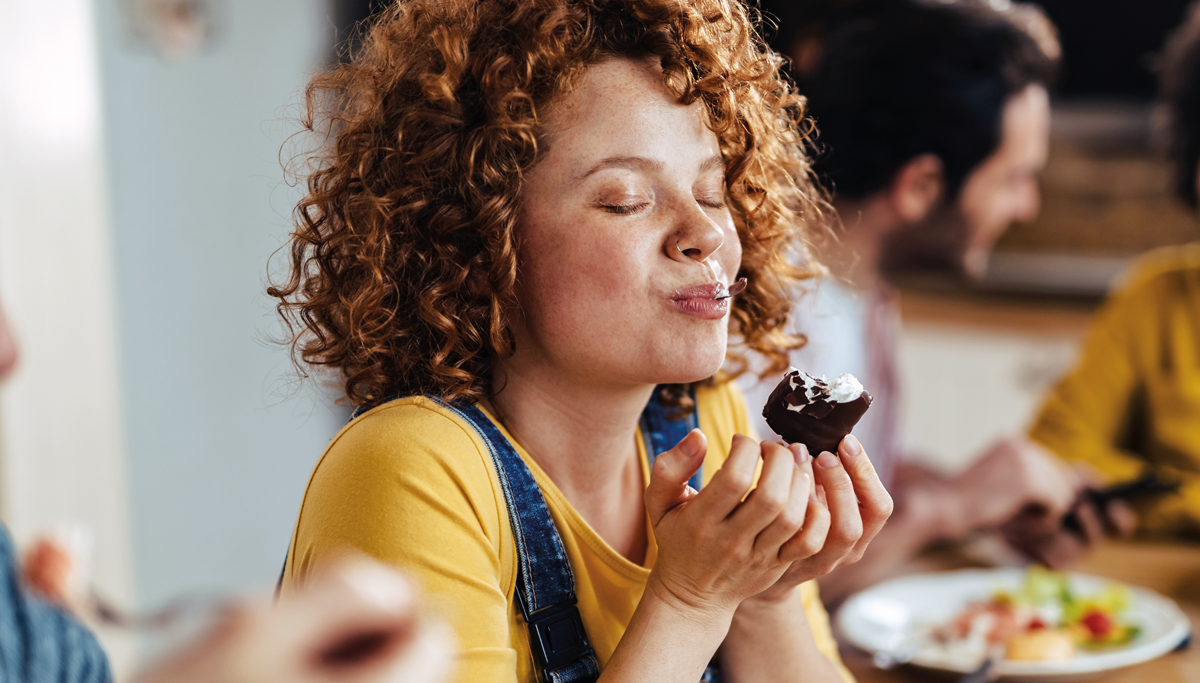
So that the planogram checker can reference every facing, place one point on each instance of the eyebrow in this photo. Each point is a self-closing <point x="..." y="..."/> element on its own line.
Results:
<point x="644" y="163"/>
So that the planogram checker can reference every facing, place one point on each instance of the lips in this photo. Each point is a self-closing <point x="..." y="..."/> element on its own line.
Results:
<point x="701" y="301"/>
<point x="708" y="290"/>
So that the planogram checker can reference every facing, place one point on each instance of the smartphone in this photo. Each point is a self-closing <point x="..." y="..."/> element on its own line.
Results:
<point x="1149" y="486"/>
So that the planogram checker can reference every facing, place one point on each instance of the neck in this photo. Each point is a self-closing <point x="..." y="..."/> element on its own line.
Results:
<point x="857" y="254"/>
<point x="582" y="435"/>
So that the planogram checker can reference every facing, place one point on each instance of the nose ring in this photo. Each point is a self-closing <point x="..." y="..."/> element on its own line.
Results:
<point x="682" y="252"/>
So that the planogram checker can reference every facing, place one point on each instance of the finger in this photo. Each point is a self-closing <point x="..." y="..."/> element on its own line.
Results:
<point x="1089" y="521"/>
<point x="356" y="615"/>
<point x="770" y="496"/>
<point x="800" y="453"/>
<point x="1060" y="487"/>
<point x="811" y="539"/>
<point x="670" y="474"/>
<point x="728" y="487"/>
<point x="791" y="519"/>
<point x="402" y="645"/>
<point x="846" y="525"/>
<point x="1121" y="518"/>
<point x="873" y="499"/>
<point x="1060" y="550"/>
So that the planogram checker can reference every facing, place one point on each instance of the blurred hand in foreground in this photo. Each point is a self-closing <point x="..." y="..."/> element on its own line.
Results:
<point x="356" y="623"/>
<point x="55" y="567"/>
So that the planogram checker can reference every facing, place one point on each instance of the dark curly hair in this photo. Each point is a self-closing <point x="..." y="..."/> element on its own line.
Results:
<point x="403" y="263"/>
<point x="895" y="79"/>
<point x="1180" y="77"/>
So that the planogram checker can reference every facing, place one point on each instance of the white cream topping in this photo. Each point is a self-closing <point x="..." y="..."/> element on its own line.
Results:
<point x="844" y="389"/>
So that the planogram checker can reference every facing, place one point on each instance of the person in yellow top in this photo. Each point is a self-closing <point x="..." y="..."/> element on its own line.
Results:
<point x="529" y="216"/>
<point x="1132" y="403"/>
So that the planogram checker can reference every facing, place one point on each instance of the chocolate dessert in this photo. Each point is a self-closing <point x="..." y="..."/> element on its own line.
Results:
<point x="815" y="411"/>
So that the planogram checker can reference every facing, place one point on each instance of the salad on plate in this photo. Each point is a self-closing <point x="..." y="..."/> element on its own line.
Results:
<point x="1044" y="619"/>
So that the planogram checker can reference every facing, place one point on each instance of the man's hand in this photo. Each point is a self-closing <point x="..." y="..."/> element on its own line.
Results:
<point x="1044" y="539"/>
<point x="1015" y="476"/>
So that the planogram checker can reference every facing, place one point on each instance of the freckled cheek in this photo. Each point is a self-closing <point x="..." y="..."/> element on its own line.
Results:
<point x="592" y="279"/>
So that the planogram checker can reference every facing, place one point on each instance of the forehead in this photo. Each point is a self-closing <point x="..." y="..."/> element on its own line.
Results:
<point x="622" y="107"/>
<point x="1025" y="127"/>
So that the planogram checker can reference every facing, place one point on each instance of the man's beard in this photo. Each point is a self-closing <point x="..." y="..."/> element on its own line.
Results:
<point x="940" y="244"/>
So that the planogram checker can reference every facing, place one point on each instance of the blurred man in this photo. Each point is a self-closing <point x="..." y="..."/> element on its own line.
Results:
<point x="933" y="123"/>
<point x="1132" y="403"/>
<point x="357" y="623"/>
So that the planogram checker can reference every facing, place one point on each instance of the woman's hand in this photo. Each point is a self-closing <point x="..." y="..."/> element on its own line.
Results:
<point x="855" y="505"/>
<point x="720" y="546"/>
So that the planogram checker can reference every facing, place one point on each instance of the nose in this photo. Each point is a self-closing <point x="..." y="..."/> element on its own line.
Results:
<point x="696" y="236"/>
<point x="1029" y="202"/>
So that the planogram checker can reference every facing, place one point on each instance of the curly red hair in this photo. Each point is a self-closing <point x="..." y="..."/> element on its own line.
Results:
<point x="403" y="262"/>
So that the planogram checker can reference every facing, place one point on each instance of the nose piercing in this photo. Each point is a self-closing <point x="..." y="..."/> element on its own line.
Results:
<point x="684" y="253"/>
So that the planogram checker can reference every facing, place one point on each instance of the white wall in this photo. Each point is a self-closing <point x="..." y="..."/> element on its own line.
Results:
<point x="218" y="454"/>
<point x="61" y="446"/>
<point x="965" y="386"/>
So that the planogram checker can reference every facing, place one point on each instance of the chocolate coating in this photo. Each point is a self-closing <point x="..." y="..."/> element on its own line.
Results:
<point x="820" y="424"/>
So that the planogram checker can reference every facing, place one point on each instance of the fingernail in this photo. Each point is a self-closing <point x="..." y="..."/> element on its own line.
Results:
<point x="800" y="452"/>
<point x="826" y="459"/>
<point x="851" y="445"/>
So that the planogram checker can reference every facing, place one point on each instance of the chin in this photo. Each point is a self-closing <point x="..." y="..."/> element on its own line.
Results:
<point x="975" y="262"/>
<point x="702" y="363"/>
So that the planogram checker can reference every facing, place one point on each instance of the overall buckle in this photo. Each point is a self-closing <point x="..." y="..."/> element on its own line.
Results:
<point x="556" y="635"/>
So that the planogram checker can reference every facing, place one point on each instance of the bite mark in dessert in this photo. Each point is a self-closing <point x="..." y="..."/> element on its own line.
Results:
<point x="815" y="411"/>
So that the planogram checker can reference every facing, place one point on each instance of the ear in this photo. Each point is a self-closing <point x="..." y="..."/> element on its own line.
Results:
<point x="917" y="188"/>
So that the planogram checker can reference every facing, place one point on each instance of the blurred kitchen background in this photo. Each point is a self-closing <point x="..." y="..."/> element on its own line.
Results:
<point x="142" y="192"/>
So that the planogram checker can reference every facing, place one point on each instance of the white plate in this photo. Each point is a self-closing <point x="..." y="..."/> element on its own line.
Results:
<point x="885" y="617"/>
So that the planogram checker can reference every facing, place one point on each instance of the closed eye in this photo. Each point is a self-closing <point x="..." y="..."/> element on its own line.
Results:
<point x="624" y="209"/>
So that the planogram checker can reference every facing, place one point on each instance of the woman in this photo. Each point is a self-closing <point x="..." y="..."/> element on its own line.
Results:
<point x="1131" y="404"/>
<point x="526" y="220"/>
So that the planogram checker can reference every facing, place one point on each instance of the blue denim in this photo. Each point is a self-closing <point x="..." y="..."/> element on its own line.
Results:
<point x="661" y="434"/>
<point x="38" y="642"/>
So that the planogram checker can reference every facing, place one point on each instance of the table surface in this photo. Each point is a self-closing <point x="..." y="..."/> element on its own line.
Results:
<point x="1173" y="570"/>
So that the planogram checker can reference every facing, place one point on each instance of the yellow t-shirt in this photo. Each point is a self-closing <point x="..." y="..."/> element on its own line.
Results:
<point x="1133" y="400"/>
<point x="411" y="484"/>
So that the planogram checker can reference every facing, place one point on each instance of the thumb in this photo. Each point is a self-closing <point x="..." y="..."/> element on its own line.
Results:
<point x="669" y="476"/>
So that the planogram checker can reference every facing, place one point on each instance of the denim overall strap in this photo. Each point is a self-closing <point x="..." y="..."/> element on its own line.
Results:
<point x="545" y="584"/>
